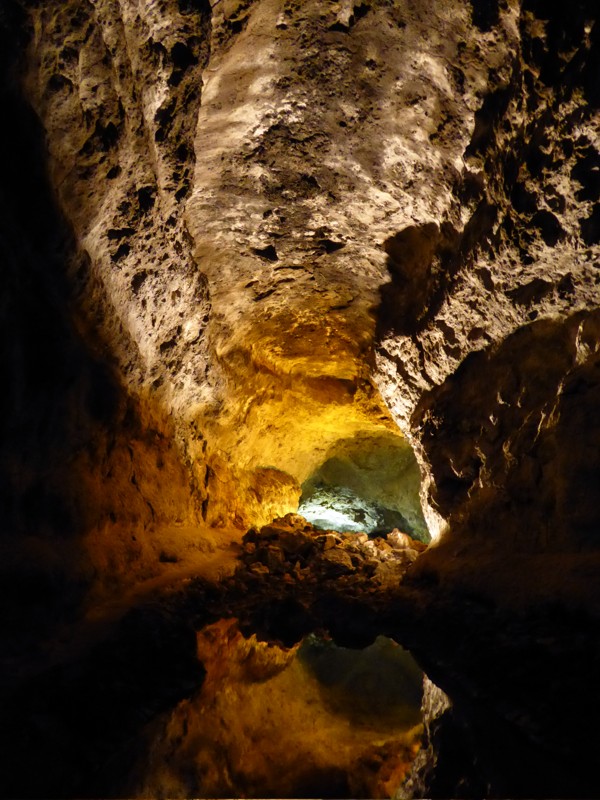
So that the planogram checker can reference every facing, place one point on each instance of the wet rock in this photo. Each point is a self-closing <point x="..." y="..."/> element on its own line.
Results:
<point x="295" y="542"/>
<point x="259" y="569"/>
<point x="293" y="546"/>
<point x="390" y="572"/>
<point x="275" y="559"/>
<point x="399" y="540"/>
<point x="382" y="545"/>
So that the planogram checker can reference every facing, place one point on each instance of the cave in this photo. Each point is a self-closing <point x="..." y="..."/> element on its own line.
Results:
<point x="368" y="484"/>
<point x="299" y="450"/>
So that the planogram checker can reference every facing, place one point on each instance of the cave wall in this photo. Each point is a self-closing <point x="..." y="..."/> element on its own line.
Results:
<point x="501" y="358"/>
<point x="85" y="465"/>
<point x="471" y="163"/>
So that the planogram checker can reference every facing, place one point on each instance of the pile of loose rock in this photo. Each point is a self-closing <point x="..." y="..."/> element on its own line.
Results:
<point x="293" y="550"/>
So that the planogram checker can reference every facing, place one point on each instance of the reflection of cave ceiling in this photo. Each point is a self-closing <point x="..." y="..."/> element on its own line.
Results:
<point x="298" y="709"/>
<point x="241" y="240"/>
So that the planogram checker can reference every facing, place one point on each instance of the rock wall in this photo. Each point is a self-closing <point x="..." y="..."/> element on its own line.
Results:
<point x="240" y="174"/>
<point x="89" y="470"/>
<point x="496" y="358"/>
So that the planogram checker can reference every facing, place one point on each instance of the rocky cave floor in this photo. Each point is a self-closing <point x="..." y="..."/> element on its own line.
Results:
<point x="149" y="703"/>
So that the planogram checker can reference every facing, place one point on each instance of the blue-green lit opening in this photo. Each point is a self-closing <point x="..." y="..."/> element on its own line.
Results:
<point x="368" y="483"/>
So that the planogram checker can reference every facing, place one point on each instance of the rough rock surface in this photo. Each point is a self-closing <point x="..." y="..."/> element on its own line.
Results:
<point x="370" y="484"/>
<point x="235" y="238"/>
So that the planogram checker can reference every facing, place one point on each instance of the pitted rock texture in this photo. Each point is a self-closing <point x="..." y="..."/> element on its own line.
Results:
<point x="118" y="89"/>
<point x="524" y="263"/>
<point x="527" y="191"/>
<point x="253" y="159"/>
<point x="88" y="470"/>
<point x="324" y="130"/>
<point x="268" y="197"/>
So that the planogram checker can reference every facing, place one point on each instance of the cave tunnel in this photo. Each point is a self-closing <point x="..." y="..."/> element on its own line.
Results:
<point x="337" y="708"/>
<point x="300" y="348"/>
<point x="368" y="484"/>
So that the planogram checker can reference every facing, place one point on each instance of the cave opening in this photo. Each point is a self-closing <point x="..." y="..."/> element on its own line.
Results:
<point x="368" y="483"/>
<point x="335" y="705"/>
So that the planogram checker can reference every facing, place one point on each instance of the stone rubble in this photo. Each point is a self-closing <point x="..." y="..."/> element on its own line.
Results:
<point x="292" y="548"/>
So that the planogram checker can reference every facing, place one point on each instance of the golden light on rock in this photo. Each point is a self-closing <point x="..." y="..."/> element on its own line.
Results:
<point x="278" y="428"/>
<point x="262" y="705"/>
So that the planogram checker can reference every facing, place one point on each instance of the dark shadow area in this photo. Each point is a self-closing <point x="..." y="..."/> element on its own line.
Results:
<point x="566" y="32"/>
<point x="538" y="367"/>
<point x="381" y="683"/>
<point x="485" y="13"/>
<point x="72" y="730"/>
<point x="58" y="403"/>
<point x="423" y="263"/>
<point x="417" y="260"/>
